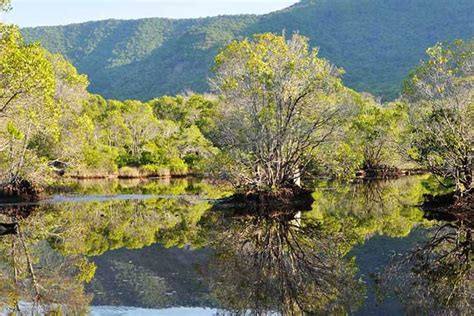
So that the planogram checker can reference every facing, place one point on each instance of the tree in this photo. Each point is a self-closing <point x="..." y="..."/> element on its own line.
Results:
<point x="24" y="69"/>
<point x="143" y="125"/>
<point x="368" y="141"/>
<point x="280" y="101"/>
<point x="27" y="107"/>
<point x="69" y="96"/>
<point x="377" y="128"/>
<point x="194" y="116"/>
<point x="440" y="94"/>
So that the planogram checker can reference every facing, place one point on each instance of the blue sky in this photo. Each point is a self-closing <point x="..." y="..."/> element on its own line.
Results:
<point x="53" y="12"/>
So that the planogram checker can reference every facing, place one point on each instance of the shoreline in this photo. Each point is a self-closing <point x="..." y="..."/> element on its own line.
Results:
<point x="128" y="176"/>
<point x="387" y="173"/>
<point x="34" y="194"/>
<point x="41" y="194"/>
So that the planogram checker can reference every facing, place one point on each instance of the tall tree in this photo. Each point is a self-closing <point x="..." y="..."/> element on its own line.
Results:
<point x="27" y="106"/>
<point x="279" y="102"/>
<point x="440" y="92"/>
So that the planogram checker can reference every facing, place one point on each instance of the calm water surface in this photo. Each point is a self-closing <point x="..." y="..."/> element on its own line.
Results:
<point x="165" y="248"/>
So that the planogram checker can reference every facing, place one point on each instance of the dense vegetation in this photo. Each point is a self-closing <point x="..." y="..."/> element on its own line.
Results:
<point x="441" y="92"/>
<point x="280" y="117"/>
<point x="50" y="122"/>
<point x="282" y="113"/>
<point x="375" y="41"/>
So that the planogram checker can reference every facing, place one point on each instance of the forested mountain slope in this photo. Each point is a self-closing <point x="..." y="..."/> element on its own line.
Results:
<point x="375" y="41"/>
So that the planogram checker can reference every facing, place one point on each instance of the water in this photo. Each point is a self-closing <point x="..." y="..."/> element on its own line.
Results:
<point x="165" y="248"/>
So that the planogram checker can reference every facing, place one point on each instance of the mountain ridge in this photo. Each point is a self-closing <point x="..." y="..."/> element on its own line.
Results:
<point x="375" y="41"/>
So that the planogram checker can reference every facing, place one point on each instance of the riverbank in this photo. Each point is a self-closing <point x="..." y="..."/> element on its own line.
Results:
<point x="129" y="173"/>
<point x="26" y="192"/>
<point x="62" y="185"/>
<point x="388" y="173"/>
<point x="21" y="191"/>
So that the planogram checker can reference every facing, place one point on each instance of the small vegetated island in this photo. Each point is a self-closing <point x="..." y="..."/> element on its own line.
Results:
<point x="277" y="116"/>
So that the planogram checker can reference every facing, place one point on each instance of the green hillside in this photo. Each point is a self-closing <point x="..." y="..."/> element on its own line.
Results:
<point x="375" y="41"/>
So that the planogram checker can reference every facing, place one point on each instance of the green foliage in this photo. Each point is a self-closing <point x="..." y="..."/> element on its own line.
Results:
<point x="280" y="101"/>
<point x="27" y="107"/>
<point x="440" y="94"/>
<point x="189" y="110"/>
<point x="370" y="139"/>
<point x="155" y="138"/>
<point x="377" y="42"/>
<point x="47" y="115"/>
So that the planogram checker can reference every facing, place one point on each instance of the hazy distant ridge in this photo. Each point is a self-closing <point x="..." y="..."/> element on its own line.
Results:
<point x="376" y="41"/>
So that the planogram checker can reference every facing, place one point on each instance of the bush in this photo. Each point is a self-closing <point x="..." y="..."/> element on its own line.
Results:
<point x="178" y="166"/>
<point x="155" y="171"/>
<point x="129" y="173"/>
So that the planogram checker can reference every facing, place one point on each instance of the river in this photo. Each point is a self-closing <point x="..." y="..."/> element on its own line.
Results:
<point x="167" y="248"/>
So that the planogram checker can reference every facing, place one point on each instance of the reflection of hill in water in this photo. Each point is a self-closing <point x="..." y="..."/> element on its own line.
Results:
<point x="152" y="277"/>
<point x="161" y="252"/>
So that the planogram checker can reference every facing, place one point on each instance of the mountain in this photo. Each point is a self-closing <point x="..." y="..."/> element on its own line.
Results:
<point x="377" y="42"/>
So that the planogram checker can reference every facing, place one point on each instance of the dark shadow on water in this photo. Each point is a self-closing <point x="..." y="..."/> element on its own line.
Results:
<point x="290" y="200"/>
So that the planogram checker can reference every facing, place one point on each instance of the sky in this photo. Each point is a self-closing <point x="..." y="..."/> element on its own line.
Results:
<point x="58" y="12"/>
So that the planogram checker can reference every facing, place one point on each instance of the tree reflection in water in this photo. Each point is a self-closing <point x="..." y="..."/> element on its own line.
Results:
<point x="34" y="278"/>
<point x="438" y="272"/>
<point x="278" y="262"/>
<point x="288" y="261"/>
